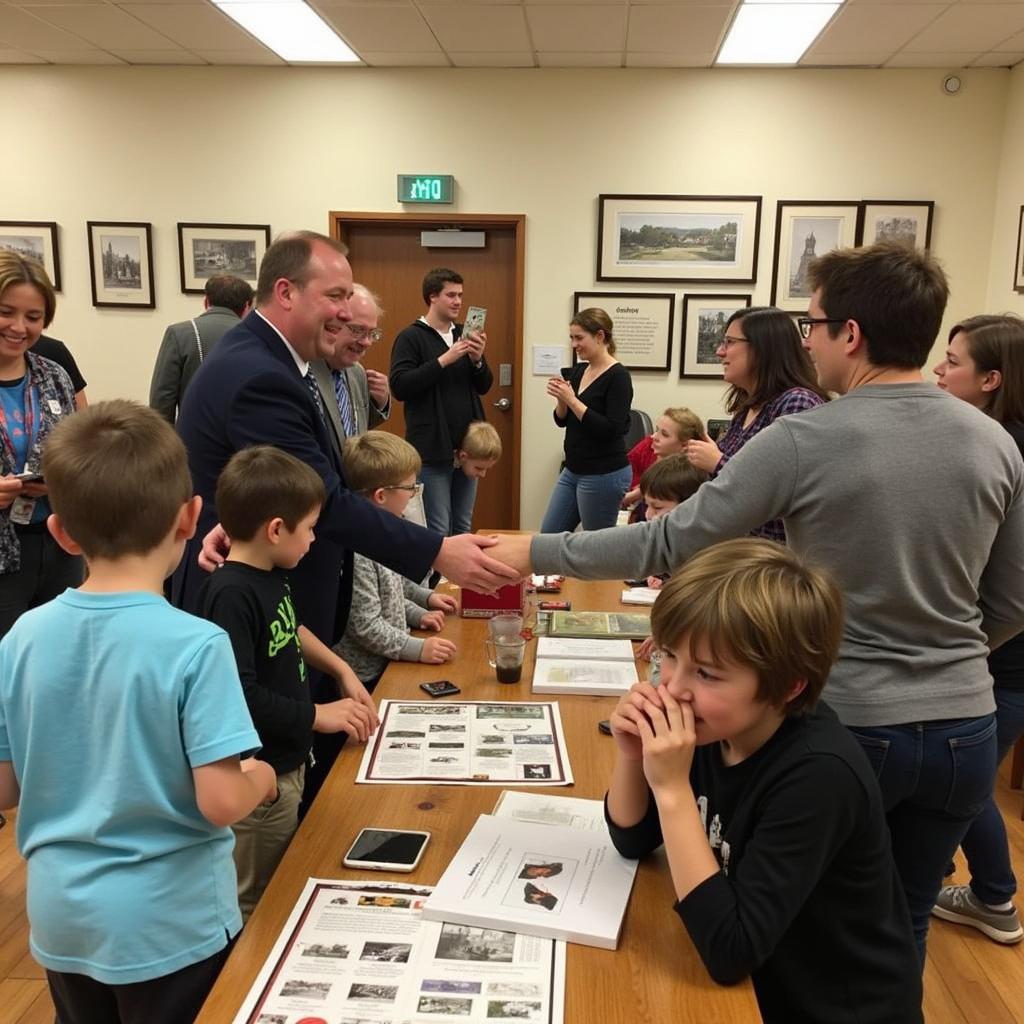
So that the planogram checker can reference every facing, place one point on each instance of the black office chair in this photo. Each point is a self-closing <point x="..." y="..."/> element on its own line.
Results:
<point x="640" y="426"/>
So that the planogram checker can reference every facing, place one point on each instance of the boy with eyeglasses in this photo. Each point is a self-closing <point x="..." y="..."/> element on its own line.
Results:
<point x="383" y="468"/>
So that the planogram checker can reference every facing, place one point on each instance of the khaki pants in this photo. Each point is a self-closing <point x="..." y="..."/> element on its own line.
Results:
<point x="262" y="838"/>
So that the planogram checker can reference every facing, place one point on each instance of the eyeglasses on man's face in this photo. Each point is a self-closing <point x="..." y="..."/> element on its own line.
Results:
<point x="360" y="331"/>
<point x="411" y="488"/>
<point x="806" y="323"/>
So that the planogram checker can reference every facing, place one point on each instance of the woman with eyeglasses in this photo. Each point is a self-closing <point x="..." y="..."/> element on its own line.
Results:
<point x="35" y="394"/>
<point x="769" y="375"/>
<point x="984" y="366"/>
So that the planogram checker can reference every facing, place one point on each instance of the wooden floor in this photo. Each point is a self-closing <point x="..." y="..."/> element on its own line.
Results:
<point x="969" y="979"/>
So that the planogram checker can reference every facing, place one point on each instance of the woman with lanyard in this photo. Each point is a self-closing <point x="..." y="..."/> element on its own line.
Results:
<point x="35" y="394"/>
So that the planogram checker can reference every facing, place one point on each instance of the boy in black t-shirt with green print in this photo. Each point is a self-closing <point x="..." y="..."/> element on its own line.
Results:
<point x="268" y="502"/>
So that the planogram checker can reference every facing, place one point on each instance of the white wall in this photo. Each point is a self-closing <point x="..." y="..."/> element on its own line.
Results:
<point x="285" y="146"/>
<point x="1009" y="199"/>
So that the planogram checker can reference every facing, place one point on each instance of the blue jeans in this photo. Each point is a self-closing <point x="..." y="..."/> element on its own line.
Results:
<point x="935" y="777"/>
<point x="448" y="498"/>
<point x="985" y="846"/>
<point x="591" y="499"/>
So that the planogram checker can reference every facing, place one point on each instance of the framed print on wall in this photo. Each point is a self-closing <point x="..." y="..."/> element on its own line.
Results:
<point x="908" y="221"/>
<point x="803" y="231"/>
<point x="208" y="249"/>
<point x="642" y="326"/>
<point x="704" y="318"/>
<point x="1018" y="273"/>
<point x="121" y="264"/>
<point x="34" y="238"/>
<point x="695" y="239"/>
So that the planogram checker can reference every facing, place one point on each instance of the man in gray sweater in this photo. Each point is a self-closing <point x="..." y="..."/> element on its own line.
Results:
<point x="914" y="502"/>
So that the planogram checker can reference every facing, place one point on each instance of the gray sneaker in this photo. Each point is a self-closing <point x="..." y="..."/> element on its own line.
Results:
<point x="958" y="903"/>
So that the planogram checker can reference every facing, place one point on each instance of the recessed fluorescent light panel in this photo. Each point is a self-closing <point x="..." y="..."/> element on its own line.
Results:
<point x="774" y="33"/>
<point x="292" y="29"/>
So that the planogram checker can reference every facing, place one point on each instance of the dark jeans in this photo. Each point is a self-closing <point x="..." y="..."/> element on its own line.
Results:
<point x="935" y="777"/>
<point x="173" y="999"/>
<point x="985" y="846"/>
<point x="592" y="500"/>
<point x="46" y="571"/>
<point x="448" y="498"/>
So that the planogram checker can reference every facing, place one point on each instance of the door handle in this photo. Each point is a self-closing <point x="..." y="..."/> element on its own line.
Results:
<point x="504" y="404"/>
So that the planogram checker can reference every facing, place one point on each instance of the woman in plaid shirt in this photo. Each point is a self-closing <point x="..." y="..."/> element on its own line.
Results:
<point x="770" y="375"/>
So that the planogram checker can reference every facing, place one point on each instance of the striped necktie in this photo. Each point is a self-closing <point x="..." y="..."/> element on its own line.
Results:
<point x="314" y="392"/>
<point x="348" y="418"/>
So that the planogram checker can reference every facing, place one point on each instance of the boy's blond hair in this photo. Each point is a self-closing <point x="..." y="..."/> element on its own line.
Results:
<point x="378" y="459"/>
<point x="118" y="476"/>
<point x="689" y="426"/>
<point x="481" y="441"/>
<point x="672" y="478"/>
<point x="755" y="603"/>
<point x="263" y="483"/>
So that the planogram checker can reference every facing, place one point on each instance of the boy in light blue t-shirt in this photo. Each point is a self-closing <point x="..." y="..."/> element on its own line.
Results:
<point x="122" y="722"/>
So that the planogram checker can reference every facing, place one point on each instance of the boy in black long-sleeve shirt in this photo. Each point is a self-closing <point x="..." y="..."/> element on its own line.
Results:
<point x="767" y="807"/>
<point x="268" y="502"/>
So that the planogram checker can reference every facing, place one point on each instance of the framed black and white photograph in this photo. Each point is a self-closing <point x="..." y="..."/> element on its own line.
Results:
<point x="641" y="326"/>
<point x="907" y="221"/>
<point x="1018" y="272"/>
<point x="121" y="264"/>
<point x="704" y="320"/>
<point x="803" y="231"/>
<point x="208" y="249"/>
<point x="36" y="239"/>
<point x="705" y="239"/>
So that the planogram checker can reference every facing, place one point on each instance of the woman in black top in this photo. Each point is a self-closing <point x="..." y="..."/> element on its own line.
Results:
<point x="592" y="403"/>
<point x="984" y="366"/>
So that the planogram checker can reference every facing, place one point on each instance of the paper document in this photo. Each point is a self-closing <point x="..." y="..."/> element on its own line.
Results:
<point x="361" y="952"/>
<point x="589" y="678"/>
<point x="548" y="809"/>
<point x="640" y="595"/>
<point x="589" y="650"/>
<point x="467" y="743"/>
<point x="551" y="881"/>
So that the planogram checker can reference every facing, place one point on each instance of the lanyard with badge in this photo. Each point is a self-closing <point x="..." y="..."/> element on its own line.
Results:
<point x="22" y="507"/>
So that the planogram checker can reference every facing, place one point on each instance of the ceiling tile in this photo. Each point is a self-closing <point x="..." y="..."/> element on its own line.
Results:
<point x="1014" y="43"/>
<point x="394" y="29"/>
<point x="485" y="28"/>
<point x="78" y="57"/>
<point x="256" y="55"/>
<point x="593" y="59"/>
<point x="479" y="59"/>
<point x="669" y="60"/>
<point x="192" y="25"/>
<point x="998" y="59"/>
<point x="107" y="27"/>
<point x="857" y="29"/>
<point x="18" y="57"/>
<point x="970" y="27"/>
<point x="20" y="30"/>
<point x="391" y="59"/>
<point x="878" y="3"/>
<point x="564" y="27"/>
<point x="686" y="29"/>
<point x="159" y="57"/>
<point x="946" y="59"/>
<point x="857" y="59"/>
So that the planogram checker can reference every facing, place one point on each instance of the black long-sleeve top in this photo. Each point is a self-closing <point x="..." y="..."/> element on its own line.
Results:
<point x="254" y="607"/>
<point x="807" y="901"/>
<point x="440" y="401"/>
<point x="596" y="444"/>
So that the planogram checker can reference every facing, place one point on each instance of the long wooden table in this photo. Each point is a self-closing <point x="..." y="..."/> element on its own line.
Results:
<point x="655" y="975"/>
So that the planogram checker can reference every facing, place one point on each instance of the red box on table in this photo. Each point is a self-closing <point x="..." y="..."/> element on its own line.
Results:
<point x="508" y="599"/>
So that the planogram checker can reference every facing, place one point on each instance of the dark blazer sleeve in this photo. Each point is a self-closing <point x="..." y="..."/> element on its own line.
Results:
<point x="166" y="384"/>
<point x="272" y="409"/>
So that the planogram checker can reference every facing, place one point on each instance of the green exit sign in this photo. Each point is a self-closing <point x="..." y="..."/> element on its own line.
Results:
<point x="426" y="188"/>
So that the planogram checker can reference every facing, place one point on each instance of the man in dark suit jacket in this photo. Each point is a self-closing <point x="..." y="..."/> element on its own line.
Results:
<point x="366" y="400"/>
<point x="185" y="345"/>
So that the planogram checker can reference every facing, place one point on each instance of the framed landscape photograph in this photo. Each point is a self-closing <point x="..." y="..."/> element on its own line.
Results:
<point x="35" y="238"/>
<point x="908" y="221"/>
<point x="1018" y="273"/>
<point x="704" y="319"/>
<point x="121" y="264"/>
<point x="208" y="249"/>
<point x="803" y="231"/>
<point x="696" y="239"/>
<point x="642" y="326"/>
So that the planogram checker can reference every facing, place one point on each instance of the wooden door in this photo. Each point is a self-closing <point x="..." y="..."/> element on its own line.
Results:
<point x="388" y="258"/>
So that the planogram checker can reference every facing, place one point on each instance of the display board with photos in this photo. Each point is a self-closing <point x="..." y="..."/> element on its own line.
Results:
<point x="35" y="239"/>
<point x="641" y="325"/>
